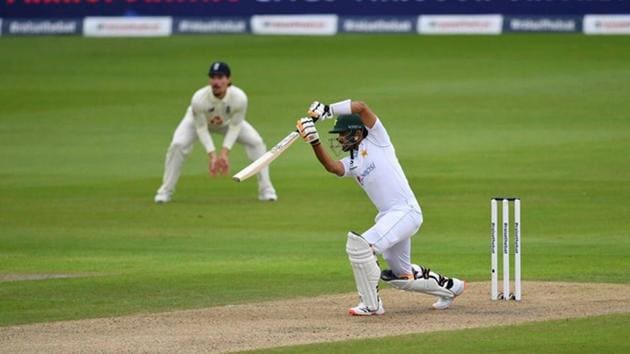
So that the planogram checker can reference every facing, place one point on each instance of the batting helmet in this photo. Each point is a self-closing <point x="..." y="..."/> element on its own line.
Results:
<point x="347" y="125"/>
<point x="347" y="122"/>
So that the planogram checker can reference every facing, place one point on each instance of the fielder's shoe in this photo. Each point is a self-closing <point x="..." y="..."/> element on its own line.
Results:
<point x="161" y="198"/>
<point x="362" y="310"/>
<point x="445" y="302"/>
<point x="268" y="195"/>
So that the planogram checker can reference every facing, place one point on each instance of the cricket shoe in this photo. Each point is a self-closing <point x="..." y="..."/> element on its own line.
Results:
<point x="162" y="198"/>
<point x="444" y="302"/>
<point x="267" y="195"/>
<point x="362" y="310"/>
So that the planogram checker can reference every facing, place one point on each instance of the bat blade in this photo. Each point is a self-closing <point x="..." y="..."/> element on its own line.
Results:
<point x="267" y="158"/>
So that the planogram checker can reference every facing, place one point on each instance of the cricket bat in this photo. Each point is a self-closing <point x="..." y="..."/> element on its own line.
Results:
<point x="267" y="158"/>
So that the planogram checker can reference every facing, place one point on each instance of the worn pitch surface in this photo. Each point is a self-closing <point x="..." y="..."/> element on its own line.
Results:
<point x="312" y="320"/>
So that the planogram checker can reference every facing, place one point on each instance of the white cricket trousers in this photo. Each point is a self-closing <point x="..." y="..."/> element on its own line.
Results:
<point x="182" y="144"/>
<point x="391" y="237"/>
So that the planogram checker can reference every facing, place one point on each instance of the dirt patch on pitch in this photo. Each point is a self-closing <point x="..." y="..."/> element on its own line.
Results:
<point x="312" y="320"/>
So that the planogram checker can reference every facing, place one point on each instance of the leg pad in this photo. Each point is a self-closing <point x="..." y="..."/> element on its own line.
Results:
<point x="365" y="268"/>
<point x="425" y="281"/>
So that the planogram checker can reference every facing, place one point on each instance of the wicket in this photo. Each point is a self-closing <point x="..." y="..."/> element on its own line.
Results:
<point x="505" y="219"/>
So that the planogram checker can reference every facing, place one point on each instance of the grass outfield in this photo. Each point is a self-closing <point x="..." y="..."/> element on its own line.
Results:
<point x="600" y="334"/>
<point x="85" y="123"/>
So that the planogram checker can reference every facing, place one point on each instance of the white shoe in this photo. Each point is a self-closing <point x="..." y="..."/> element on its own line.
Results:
<point x="161" y="198"/>
<point x="445" y="302"/>
<point x="362" y="310"/>
<point x="268" y="195"/>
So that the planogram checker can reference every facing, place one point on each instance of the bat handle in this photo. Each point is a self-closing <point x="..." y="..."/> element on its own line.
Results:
<point x="314" y="121"/>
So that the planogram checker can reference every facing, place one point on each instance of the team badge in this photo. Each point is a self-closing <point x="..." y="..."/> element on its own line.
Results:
<point x="364" y="153"/>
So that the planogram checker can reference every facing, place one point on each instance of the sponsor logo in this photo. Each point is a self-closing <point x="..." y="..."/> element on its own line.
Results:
<point x="542" y="24"/>
<point x="377" y="25"/>
<point x="27" y="27"/>
<point x="216" y="120"/>
<point x="465" y="24"/>
<point x="211" y="26"/>
<point x="124" y="27"/>
<point x="607" y="24"/>
<point x="294" y="24"/>
<point x="360" y="178"/>
<point x="127" y="26"/>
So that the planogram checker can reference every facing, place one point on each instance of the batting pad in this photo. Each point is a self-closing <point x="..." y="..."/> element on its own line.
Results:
<point x="365" y="269"/>
<point x="427" y="285"/>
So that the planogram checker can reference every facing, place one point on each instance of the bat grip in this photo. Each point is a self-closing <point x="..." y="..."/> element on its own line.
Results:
<point x="314" y="121"/>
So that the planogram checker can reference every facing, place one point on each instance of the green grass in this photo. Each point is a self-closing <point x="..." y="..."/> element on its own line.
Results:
<point x="602" y="334"/>
<point x="85" y="123"/>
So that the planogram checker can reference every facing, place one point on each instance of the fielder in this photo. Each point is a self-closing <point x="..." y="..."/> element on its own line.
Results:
<point x="220" y="108"/>
<point x="375" y="167"/>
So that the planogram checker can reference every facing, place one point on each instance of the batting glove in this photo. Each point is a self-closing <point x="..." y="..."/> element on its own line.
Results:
<point x="320" y="111"/>
<point x="306" y="128"/>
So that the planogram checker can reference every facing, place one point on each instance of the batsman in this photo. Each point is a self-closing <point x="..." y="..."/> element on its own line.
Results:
<point x="373" y="164"/>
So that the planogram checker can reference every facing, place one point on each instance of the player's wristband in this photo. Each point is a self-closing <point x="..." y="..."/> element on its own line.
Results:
<point x="342" y="107"/>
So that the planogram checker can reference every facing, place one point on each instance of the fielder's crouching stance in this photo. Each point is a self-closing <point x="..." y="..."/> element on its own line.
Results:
<point x="375" y="167"/>
<point x="219" y="107"/>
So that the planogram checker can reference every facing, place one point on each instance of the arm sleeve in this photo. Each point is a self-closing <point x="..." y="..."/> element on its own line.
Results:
<point x="341" y="107"/>
<point x="378" y="134"/>
<point x="346" y="166"/>
<point x="238" y="116"/>
<point x="201" y="127"/>
<point x="234" y="129"/>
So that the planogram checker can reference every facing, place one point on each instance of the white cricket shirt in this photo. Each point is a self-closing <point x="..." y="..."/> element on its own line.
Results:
<point x="376" y="169"/>
<point x="213" y="114"/>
